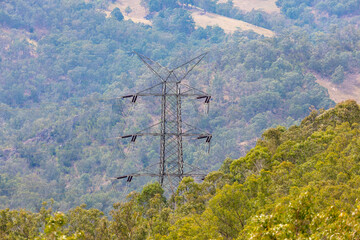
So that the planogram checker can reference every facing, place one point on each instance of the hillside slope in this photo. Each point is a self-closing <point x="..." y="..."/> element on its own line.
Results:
<point x="229" y="25"/>
<point x="137" y="13"/>
<point x="62" y="63"/>
<point x="348" y="89"/>
<point x="297" y="183"/>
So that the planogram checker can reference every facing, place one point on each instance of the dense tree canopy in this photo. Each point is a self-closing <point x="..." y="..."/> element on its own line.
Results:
<point x="63" y="62"/>
<point x="300" y="182"/>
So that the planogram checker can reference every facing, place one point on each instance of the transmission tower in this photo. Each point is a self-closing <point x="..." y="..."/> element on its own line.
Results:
<point x="171" y="129"/>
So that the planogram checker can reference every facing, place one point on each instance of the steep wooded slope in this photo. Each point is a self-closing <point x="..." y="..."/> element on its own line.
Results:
<point x="296" y="183"/>
<point x="61" y="62"/>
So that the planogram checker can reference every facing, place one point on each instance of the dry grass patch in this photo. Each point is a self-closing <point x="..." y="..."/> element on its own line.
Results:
<point x="137" y="14"/>
<point x="349" y="89"/>
<point x="229" y="25"/>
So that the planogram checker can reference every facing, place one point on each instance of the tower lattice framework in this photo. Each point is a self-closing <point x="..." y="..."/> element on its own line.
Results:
<point x="171" y="89"/>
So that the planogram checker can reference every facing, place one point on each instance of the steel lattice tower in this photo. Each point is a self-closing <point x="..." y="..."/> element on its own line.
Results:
<point x="171" y="89"/>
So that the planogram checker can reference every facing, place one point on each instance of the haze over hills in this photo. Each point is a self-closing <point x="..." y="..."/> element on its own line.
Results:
<point x="63" y="62"/>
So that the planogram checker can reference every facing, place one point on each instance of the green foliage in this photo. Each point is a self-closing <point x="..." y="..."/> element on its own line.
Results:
<point x="309" y="177"/>
<point x="293" y="9"/>
<point x="158" y="5"/>
<point x="128" y="10"/>
<point x="208" y="5"/>
<point x="339" y="8"/>
<point x="338" y="75"/>
<point x="297" y="183"/>
<point x="53" y="229"/>
<point x="189" y="197"/>
<point x="90" y="223"/>
<point x="18" y="224"/>
<point x="62" y="60"/>
<point x="301" y="9"/>
<point x="148" y="192"/>
<point x="127" y="220"/>
<point x="116" y="13"/>
<point x="176" y="20"/>
<point x="257" y="159"/>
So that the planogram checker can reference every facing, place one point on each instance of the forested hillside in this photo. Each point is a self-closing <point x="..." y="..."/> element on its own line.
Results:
<point x="296" y="183"/>
<point x="62" y="62"/>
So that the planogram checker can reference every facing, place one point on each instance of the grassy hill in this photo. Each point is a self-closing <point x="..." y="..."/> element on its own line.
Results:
<point x="229" y="25"/>
<point x="202" y="19"/>
<point x="137" y="13"/>
<point x="348" y="89"/>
